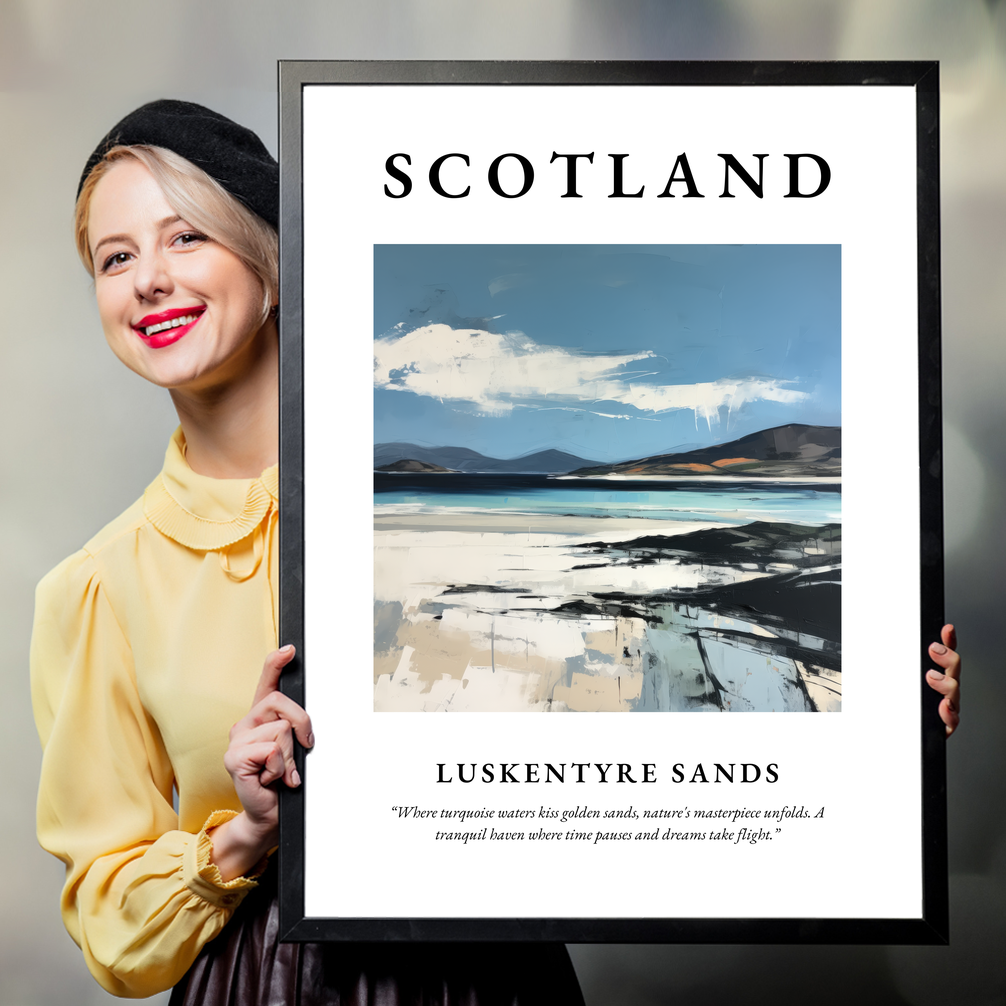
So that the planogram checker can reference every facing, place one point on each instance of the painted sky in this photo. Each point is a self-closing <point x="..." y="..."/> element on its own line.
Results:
<point x="608" y="352"/>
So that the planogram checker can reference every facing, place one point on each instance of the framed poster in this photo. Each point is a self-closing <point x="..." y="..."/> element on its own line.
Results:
<point x="610" y="398"/>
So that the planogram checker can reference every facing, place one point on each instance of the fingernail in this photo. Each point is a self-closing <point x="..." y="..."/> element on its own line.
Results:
<point x="938" y="648"/>
<point x="936" y="676"/>
<point x="287" y="649"/>
<point x="295" y="777"/>
<point x="310" y="740"/>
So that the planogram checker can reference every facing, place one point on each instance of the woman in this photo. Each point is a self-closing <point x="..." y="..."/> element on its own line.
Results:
<point x="148" y="643"/>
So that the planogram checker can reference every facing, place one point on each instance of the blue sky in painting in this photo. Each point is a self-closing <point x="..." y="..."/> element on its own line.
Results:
<point x="607" y="352"/>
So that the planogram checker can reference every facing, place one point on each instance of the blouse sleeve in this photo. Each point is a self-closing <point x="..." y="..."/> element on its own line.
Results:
<point x="141" y="898"/>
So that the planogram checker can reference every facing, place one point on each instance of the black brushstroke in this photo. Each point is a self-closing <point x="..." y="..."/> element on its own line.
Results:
<point x="480" y="588"/>
<point x="809" y="603"/>
<point x="759" y="543"/>
<point x="717" y="692"/>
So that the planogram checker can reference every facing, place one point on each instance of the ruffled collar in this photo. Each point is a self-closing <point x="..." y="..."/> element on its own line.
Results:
<point x="203" y="513"/>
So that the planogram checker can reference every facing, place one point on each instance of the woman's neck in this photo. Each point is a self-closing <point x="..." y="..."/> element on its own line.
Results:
<point x="231" y="427"/>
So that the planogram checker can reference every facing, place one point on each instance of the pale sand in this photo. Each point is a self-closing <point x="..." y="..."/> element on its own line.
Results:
<point x="479" y="662"/>
<point x="412" y="565"/>
<point x="487" y="650"/>
<point x="498" y="646"/>
<point x="506" y="664"/>
<point x="591" y="528"/>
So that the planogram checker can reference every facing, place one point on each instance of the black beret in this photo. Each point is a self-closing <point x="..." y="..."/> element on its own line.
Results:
<point x="230" y="154"/>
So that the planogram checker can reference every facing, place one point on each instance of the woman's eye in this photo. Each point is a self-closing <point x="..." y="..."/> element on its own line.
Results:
<point x="114" y="261"/>
<point x="190" y="238"/>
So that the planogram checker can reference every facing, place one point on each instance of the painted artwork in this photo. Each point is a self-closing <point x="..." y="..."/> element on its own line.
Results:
<point x="607" y="478"/>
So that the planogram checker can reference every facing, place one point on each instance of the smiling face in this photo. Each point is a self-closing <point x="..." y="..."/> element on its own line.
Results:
<point x="177" y="307"/>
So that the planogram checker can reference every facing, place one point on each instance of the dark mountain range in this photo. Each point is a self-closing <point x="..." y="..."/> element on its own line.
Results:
<point x="389" y="457"/>
<point x="410" y="465"/>
<point x="791" y="451"/>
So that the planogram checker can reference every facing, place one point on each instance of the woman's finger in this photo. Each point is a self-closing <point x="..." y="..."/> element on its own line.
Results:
<point x="261" y="760"/>
<point x="945" y="685"/>
<point x="948" y="659"/>
<point x="949" y="636"/>
<point x="277" y="706"/>
<point x="949" y="688"/>
<point x="947" y="681"/>
<point x="273" y="766"/>
<point x="950" y="716"/>
<point x="278" y="732"/>
<point x="271" y="671"/>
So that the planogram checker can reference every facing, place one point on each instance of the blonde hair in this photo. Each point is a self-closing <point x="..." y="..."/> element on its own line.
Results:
<point x="199" y="200"/>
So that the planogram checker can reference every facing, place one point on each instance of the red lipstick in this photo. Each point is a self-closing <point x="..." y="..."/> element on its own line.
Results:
<point x="166" y="327"/>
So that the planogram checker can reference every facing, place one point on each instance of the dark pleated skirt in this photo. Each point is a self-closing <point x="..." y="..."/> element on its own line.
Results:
<point x="246" y="965"/>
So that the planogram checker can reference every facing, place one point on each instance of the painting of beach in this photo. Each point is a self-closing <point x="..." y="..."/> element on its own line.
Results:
<point x="607" y="478"/>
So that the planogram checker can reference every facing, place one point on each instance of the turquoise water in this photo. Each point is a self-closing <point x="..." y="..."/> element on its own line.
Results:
<point x="740" y="505"/>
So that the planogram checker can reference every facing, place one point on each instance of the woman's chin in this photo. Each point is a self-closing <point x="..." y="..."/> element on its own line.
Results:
<point x="196" y="365"/>
<point x="173" y="374"/>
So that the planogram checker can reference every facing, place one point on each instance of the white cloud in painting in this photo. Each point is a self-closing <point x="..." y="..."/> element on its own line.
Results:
<point x="497" y="372"/>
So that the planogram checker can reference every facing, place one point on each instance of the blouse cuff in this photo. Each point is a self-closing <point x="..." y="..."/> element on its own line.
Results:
<point x="202" y="876"/>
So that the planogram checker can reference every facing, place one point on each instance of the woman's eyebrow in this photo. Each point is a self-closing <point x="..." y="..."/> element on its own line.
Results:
<point x="160" y="225"/>
<point x="109" y="240"/>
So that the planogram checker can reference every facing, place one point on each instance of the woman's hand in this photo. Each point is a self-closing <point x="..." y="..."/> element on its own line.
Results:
<point x="947" y="682"/>
<point x="260" y="753"/>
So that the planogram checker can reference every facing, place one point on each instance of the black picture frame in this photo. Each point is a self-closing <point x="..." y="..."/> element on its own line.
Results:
<point x="931" y="926"/>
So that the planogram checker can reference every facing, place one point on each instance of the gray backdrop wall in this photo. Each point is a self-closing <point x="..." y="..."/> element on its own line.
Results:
<point x="82" y="436"/>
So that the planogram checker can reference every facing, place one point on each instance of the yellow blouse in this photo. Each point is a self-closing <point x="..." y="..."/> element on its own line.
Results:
<point x="147" y="647"/>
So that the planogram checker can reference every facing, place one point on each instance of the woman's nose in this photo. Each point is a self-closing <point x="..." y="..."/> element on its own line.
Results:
<point x="152" y="277"/>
